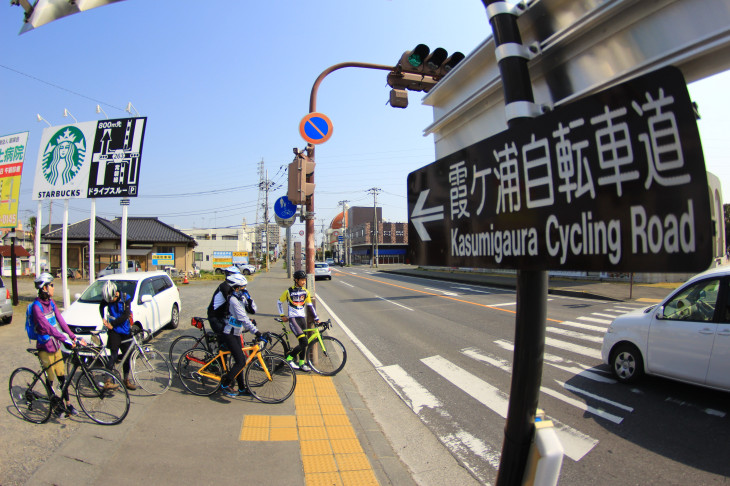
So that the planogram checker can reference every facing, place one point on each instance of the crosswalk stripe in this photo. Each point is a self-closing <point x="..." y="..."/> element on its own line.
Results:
<point x="588" y="394"/>
<point x="582" y="405"/>
<point x="461" y="443"/>
<point x="573" y="348"/>
<point x="504" y="365"/>
<point x="624" y="308"/>
<point x="575" y="443"/>
<point x="594" y="319"/>
<point x="579" y="368"/>
<point x="587" y="327"/>
<point x="610" y="316"/>
<point x="573" y="334"/>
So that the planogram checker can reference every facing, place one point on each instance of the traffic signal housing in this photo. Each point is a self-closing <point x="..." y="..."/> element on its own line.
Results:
<point x="299" y="169"/>
<point x="419" y="70"/>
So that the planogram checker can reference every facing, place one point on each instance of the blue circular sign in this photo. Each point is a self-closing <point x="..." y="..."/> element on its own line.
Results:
<point x="315" y="128"/>
<point x="284" y="208"/>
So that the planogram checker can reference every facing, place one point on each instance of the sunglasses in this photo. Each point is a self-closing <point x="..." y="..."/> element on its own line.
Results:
<point x="50" y="285"/>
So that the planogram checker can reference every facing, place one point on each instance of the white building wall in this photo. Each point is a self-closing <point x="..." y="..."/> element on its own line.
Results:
<point x="218" y="239"/>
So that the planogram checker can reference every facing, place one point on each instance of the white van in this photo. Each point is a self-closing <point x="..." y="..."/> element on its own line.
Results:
<point x="114" y="267"/>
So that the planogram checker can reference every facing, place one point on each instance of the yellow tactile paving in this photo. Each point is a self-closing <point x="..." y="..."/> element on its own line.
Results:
<point x="315" y="447"/>
<point x="310" y="421"/>
<point x="324" y="479"/>
<point x="319" y="464"/>
<point x="359" y="478"/>
<point x="331" y="454"/>
<point x="283" y="434"/>
<point x="283" y="421"/>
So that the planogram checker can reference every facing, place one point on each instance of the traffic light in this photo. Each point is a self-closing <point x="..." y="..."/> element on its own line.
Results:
<point x="299" y="188"/>
<point x="419" y="70"/>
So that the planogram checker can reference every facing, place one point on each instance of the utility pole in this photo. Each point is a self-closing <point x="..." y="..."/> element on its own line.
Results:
<point x="259" y="204"/>
<point x="266" y="217"/>
<point x="344" y="232"/>
<point x="375" y="191"/>
<point x="322" y="221"/>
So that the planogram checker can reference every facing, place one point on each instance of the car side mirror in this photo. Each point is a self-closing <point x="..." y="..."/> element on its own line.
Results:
<point x="660" y="312"/>
<point x="146" y="298"/>
<point x="77" y="296"/>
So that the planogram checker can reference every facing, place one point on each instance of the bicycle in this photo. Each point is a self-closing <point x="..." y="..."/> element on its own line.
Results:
<point x="325" y="355"/>
<point x="150" y="369"/>
<point x="269" y="378"/>
<point x="207" y="340"/>
<point x="102" y="403"/>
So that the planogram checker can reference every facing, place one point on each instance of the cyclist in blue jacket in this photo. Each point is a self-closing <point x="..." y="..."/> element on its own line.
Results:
<point x="119" y="308"/>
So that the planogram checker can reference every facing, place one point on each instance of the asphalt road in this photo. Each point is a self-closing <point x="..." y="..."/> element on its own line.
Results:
<point x="446" y="349"/>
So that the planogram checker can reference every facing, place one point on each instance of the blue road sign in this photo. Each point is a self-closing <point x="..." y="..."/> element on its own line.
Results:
<point x="284" y="208"/>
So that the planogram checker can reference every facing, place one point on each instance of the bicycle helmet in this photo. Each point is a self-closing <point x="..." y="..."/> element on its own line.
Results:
<point x="237" y="280"/>
<point x="232" y="270"/>
<point x="42" y="280"/>
<point x="109" y="291"/>
<point x="300" y="274"/>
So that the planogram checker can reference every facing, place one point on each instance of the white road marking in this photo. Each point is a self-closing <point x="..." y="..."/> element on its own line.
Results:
<point x="503" y="304"/>
<point x="594" y="396"/>
<point x="364" y="350"/>
<point x="573" y="334"/>
<point x="445" y="292"/>
<point x="582" y="405"/>
<point x="470" y="290"/>
<point x="345" y="283"/>
<point x="573" y="348"/>
<point x="576" y="443"/>
<point x="610" y="316"/>
<point x="595" y="319"/>
<point x="587" y="327"/>
<point x="461" y="443"/>
<point x="394" y="303"/>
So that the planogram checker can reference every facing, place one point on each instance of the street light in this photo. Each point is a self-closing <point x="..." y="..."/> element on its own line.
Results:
<point x="67" y="113"/>
<point x="40" y="119"/>
<point x="129" y="109"/>
<point x="99" y="109"/>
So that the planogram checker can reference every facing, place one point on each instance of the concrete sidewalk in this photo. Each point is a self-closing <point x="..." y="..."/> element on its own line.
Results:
<point x="323" y="434"/>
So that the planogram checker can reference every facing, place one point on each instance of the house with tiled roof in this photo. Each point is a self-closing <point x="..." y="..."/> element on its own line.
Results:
<point x="146" y="236"/>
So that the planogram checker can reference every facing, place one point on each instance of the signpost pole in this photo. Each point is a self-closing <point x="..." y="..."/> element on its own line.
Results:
<point x="532" y="286"/>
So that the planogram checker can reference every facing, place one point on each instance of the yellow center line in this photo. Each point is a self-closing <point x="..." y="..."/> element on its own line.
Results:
<point x="441" y="296"/>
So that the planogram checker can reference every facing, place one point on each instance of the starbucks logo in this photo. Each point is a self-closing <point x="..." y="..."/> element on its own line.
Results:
<point x="64" y="155"/>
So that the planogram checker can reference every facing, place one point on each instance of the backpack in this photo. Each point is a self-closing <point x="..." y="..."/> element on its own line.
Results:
<point x="30" y="325"/>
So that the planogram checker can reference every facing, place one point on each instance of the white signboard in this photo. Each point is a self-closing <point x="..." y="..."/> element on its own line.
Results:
<point x="64" y="160"/>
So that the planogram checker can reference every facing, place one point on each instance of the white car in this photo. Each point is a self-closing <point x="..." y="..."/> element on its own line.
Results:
<point x="114" y="267"/>
<point x="245" y="268"/>
<point x="155" y="303"/>
<point x="686" y="337"/>
<point x="322" y="270"/>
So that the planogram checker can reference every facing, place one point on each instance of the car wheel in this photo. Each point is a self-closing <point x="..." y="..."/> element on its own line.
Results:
<point x="218" y="271"/>
<point x="174" y="317"/>
<point x="626" y="363"/>
<point x="246" y="272"/>
<point x="7" y="320"/>
<point x="329" y="278"/>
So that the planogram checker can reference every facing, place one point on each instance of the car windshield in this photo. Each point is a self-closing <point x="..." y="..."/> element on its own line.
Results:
<point x="92" y="295"/>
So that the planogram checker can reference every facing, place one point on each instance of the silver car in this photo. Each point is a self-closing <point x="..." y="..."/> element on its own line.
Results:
<point x="6" y="304"/>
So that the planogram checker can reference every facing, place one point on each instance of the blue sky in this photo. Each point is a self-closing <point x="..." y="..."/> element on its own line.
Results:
<point x="224" y="86"/>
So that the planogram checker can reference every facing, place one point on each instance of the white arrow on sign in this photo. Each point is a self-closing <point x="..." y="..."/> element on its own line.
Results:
<point x="421" y="215"/>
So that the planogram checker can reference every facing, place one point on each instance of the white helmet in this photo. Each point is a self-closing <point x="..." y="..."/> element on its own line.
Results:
<point x="109" y="292"/>
<point x="237" y="280"/>
<point x="42" y="280"/>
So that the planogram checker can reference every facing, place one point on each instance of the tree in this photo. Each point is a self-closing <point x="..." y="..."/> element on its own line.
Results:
<point x="32" y="222"/>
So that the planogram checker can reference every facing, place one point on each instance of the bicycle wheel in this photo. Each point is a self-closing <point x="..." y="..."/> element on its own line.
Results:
<point x="180" y="345"/>
<point x="278" y="345"/>
<point x="151" y="370"/>
<point x="30" y="395"/>
<point x="102" y="396"/>
<point x="328" y="361"/>
<point x="282" y="383"/>
<point x="188" y="371"/>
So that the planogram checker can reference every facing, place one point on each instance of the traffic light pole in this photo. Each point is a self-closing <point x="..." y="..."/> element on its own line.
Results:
<point x="309" y="218"/>
<point x="532" y="286"/>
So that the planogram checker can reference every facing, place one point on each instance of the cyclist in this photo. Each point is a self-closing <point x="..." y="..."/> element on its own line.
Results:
<point x="51" y="327"/>
<point x="297" y="299"/>
<point x="238" y="322"/>
<point x="218" y="307"/>
<point x="119" y="309"/>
